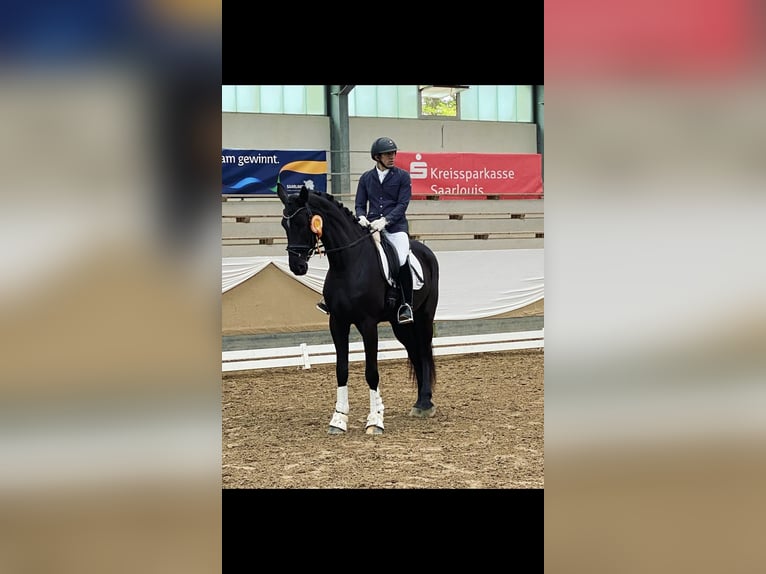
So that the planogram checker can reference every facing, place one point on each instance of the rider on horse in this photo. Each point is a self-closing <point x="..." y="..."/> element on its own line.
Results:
<point x="382" y="198"/>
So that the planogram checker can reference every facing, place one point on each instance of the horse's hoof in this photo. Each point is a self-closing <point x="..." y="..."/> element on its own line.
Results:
<point x="423" y="413"/>
<point x="373" y="430"/>
<point x="338" y="423"/>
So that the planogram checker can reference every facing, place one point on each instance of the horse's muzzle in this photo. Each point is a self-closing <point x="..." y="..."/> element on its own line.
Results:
<point x="298" y="265"/>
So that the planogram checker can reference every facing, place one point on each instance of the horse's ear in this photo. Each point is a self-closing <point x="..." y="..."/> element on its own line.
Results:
<point x="281" y="193"/>
<point x="304" y="194"/>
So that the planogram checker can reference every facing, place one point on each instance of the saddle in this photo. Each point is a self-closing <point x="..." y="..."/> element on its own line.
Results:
<point x="389" y="268"/>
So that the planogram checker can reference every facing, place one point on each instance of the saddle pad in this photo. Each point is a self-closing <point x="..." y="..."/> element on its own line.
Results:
<point x="415" y="268"/>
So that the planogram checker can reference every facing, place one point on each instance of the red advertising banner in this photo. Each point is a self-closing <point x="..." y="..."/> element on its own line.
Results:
<point x="473" y="175"/>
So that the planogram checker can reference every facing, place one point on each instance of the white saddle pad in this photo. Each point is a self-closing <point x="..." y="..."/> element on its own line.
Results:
<point x="415" y="268"/>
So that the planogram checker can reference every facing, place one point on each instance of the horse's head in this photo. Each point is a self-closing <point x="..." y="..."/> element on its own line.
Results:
<point x="303" y="228"/>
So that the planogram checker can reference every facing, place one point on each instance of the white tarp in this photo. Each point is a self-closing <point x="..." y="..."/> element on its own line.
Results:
<point x="472" y="284"/>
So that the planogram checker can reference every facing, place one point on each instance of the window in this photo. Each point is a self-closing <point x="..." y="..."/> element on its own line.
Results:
<point x="498" y="104"/>
<point x="440" y="101"/>
<point x="477" y="103"/>
<point x="383" y="102"/>
<point x="307" y="100"/>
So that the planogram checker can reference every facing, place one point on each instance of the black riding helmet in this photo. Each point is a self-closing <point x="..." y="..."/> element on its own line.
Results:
<point x="382" y="145"/>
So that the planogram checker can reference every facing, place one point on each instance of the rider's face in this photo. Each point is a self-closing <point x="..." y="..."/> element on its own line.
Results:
<point x="388" y="158"/>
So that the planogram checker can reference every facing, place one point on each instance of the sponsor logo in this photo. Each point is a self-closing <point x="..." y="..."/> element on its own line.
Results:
<point x="418" y="169"/>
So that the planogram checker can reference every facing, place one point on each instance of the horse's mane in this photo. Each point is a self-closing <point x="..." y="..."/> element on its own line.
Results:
<point x="333" y="203"/>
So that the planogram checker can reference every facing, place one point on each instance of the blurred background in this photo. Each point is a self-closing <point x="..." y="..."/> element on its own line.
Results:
<point x="655" y="287"/>
<point x="110" y="287"/>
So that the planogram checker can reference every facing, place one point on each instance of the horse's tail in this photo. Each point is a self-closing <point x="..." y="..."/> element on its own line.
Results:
<point x="429" y="359"/>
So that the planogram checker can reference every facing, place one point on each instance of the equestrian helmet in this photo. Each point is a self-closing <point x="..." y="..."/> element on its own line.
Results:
<point x="382" y="145"/>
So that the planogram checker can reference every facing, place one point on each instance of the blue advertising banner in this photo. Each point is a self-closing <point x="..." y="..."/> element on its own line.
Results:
<point x="258" y="171"/>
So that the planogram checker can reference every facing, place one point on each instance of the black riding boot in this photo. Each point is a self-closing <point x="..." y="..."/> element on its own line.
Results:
<point x="322" y="306"/>
<point x="405" y="282"/>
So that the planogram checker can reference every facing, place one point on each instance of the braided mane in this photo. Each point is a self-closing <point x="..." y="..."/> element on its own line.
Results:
<point x="332" y="199"/>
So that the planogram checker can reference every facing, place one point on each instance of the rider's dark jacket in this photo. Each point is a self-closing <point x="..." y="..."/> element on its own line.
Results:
<point x="389" y="199"/>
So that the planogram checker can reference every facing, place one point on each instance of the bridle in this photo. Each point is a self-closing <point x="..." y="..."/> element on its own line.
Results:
<point x="305" y="252"/>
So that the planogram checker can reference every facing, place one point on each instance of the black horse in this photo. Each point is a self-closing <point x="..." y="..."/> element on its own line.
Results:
<point x="355" y="291"/>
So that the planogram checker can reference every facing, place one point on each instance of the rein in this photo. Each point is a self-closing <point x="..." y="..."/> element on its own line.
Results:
<point x="342" y="247"/>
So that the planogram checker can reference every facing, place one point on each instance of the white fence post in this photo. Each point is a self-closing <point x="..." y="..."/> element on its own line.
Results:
<point x="306" y="358"/>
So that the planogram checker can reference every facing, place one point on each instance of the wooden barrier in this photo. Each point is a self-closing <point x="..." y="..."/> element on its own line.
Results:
<point x="251" y="226"/>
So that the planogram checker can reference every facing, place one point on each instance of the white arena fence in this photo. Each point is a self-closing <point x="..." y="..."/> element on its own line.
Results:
<point x="304" y="356"/>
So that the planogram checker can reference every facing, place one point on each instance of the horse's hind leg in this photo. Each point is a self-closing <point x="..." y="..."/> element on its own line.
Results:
<point x="417" y="338"/>
<point x="339" y="420"/>
<point x="423" y="364"/>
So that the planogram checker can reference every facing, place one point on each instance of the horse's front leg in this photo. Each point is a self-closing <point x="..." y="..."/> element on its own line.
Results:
<point x="369" y="331"/>
<point x="340" y="332"/>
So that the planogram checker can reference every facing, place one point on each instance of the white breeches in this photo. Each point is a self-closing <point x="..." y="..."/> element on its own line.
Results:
<point x="400" y="240"/>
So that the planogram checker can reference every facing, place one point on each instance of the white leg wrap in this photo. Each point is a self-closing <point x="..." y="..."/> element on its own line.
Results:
<point x="340" y="416"/>
<point x="341" y="402"/>
<point x="375" y="418"/>
<point x="339" y="420"/>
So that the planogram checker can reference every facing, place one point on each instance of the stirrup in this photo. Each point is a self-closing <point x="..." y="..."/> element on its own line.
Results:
<point x="322" y="306"/>
<point x="405" y="314"/>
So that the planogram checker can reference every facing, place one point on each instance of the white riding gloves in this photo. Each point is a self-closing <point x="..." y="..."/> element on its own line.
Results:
<point x="378" y="224"/>
<point x="363" y="221"/>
